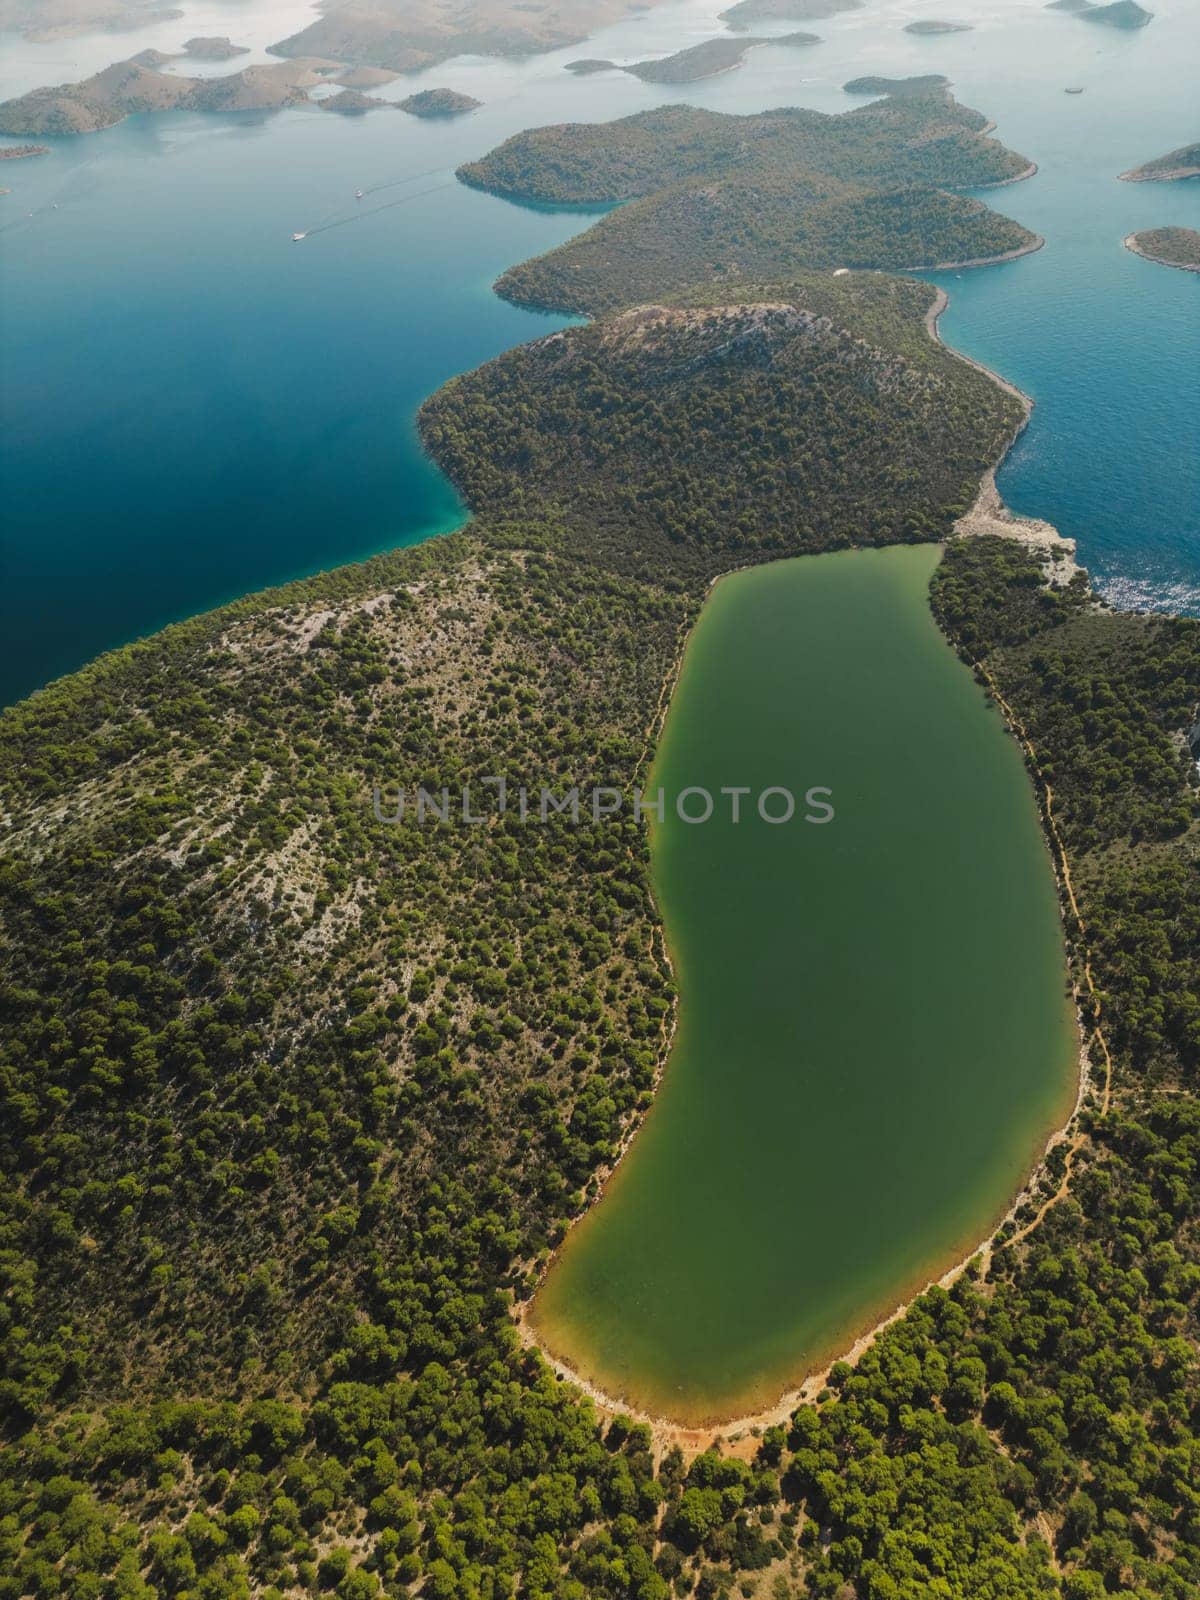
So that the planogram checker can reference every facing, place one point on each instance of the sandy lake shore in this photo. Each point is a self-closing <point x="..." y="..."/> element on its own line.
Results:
<point x="738" y="1434"/>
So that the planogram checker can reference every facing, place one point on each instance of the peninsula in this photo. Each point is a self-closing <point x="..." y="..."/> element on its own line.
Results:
<point x="707" y="59"/>
<point x="1171" y="247"/>
<point x="355" y="1138"/>
<point x="128" y="88"/>
<point x="718" y="198"/>
<point x="353" y="103"/>
<point x="747" y="12"/>
<point x="1175" y="165"/>
<point x="300" y="1099"/>
<point x="1121" y="14"/>
<point x="365" y="77"/>
<point x="405" y="35"/>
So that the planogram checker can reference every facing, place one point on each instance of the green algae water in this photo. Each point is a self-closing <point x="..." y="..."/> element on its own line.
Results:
<point x="875" y="1037"/>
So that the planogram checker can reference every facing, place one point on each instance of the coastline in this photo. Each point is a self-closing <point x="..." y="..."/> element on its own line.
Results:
<point x="1017" y="177"/>
<point x="1167" y="175"/>
<point x="1034" y="244"/>
<point x="684" y="83"/>
<point x="987" y="515"/>
<point x="932" y="320"/>
<point x="1130" y="241"/>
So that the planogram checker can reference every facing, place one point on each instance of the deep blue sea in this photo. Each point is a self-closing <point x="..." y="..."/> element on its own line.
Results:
<point x="195" y="407"/>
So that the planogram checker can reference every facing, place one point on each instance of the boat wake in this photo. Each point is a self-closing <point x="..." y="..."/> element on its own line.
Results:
<point x="344" y="215"/>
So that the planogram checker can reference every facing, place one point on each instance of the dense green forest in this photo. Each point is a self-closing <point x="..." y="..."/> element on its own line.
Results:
<point x="903" y="140"/>
<point x="1176" y="164"/>
<point x="755" y="197"/>
<point x="691" y="437"/>
<point x="706" y="59"/>
<point x="296" y="1098"/>
<point x="756" y="229"/>
<point x="925" y="83"/>
<point x="1173" y="247"/>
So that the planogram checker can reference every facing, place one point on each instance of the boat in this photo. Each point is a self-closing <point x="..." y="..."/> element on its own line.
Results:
<point x="358" y="194"/>
<point x="1072" y="91"/>
<point x="296" y="238"/>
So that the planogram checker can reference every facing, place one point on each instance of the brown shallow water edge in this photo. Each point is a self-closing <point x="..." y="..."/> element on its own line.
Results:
<point x="736" y="1432"/>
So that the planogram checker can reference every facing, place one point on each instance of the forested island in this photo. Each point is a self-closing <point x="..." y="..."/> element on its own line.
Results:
<point x="214" y="47"/>
<point x="934" y="26"/>
<point x="1120" y="14"/>
<point x="705" y="60"/>
<point x="1171" y="168"/>
<point x="388" y="36"/>
<point x="405" y="35"/>
<point x="17" y="152"/>
<point x="1172" y="247"/>
<point x="927" y="83"/>
<point x="696" y="62"/>
<point x="715" y="197"/>
<point x="914" y="140"/>
<point x="128" y="88"/>
<point x="438" y="103"/>
<point x="297" y="1101"/>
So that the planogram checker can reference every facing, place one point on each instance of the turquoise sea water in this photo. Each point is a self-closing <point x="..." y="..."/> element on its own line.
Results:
<point x="193" y="407"/>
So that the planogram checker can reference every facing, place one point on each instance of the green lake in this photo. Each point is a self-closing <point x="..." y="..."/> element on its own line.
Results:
<point x="875" y="1033"/>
